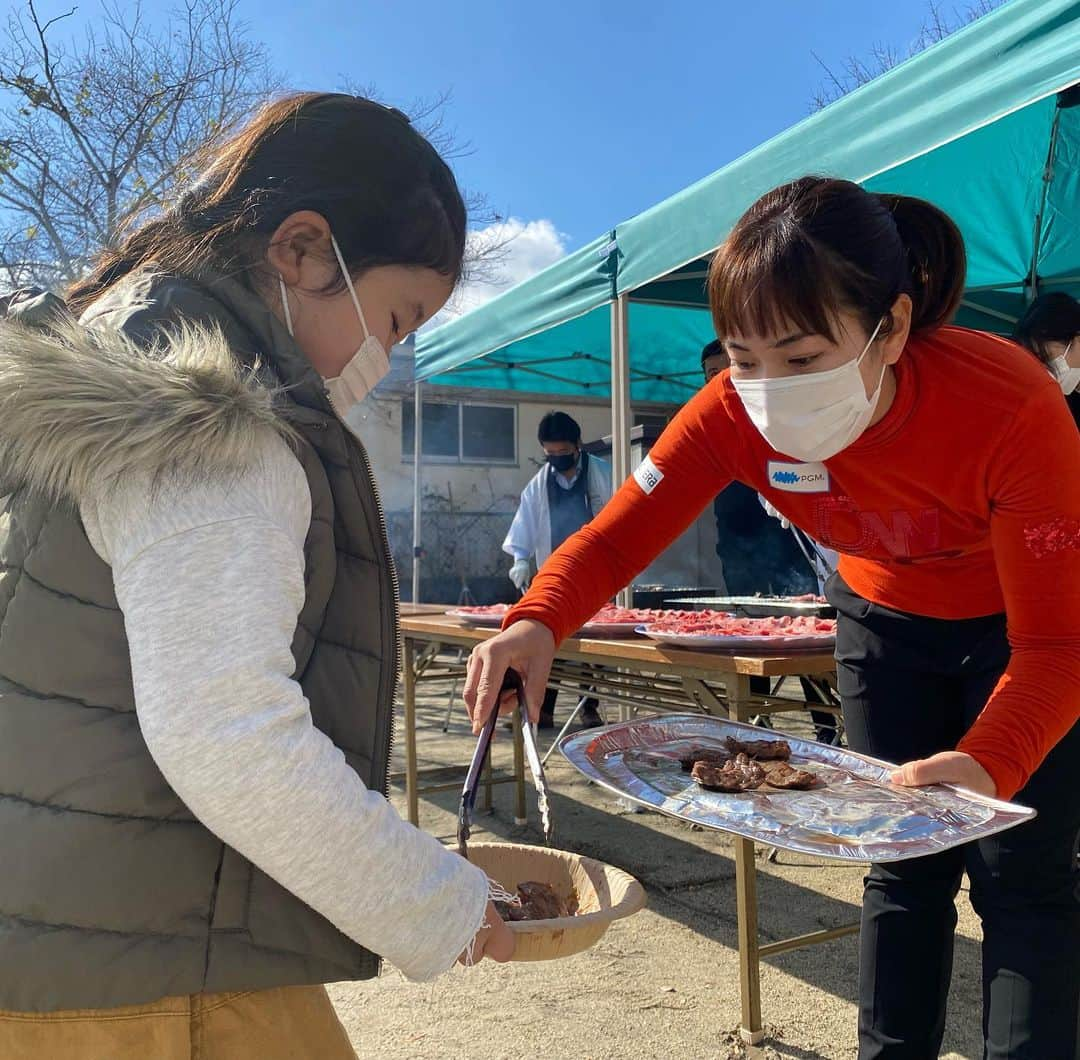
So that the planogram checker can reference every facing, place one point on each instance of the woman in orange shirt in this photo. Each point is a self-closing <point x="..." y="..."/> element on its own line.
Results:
<point x="931" y="458"/>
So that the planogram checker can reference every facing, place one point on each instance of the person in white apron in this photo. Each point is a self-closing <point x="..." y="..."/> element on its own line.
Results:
<point x="564" y="495"/>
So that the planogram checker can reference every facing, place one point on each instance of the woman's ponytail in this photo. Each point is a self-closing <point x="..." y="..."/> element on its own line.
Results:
<point x="936" y="260"/>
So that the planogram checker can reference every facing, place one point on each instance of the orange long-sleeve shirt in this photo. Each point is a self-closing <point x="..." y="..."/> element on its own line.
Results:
<point x="964" y="500"/>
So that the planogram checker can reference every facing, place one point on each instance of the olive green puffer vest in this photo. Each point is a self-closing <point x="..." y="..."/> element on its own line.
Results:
<point x="111" y="893"/>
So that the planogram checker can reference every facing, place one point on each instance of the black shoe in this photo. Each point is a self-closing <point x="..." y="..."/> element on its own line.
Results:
<point x="590" y="718"/>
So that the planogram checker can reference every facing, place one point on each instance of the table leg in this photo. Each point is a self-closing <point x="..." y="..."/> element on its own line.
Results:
<point x="702" y="696"/>
<point x="739" y="698"/>
<point x="626" y="712"/>
<point x="749" y="958"/>
<point x="563" y="731"/>
<point x="409" y="672"/>
<point x="746" y="898"/>
<point x="521" y="815"/>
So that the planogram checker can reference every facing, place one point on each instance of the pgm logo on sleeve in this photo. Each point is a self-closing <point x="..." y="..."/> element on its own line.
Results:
<point x="798" y="478"/>
<point x="648" y="476"/>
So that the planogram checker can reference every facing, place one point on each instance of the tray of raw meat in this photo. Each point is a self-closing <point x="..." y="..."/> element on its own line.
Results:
<point x="716" y="631"/>
<point x="609" y="622"/>
<point x="612" y="622"/>
<point x="785" y="792"/>
<point x="488" y="616"/>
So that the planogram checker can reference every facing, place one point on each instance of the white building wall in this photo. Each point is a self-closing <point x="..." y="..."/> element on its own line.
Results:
<point x="468" y="507"/>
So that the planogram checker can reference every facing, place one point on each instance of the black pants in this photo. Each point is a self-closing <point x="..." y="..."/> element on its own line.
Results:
<point x="911" y="686"/>
<point x="824" y="722"/>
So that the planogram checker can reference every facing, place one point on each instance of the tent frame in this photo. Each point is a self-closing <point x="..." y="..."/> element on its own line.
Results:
<point x="621" y="422"/>
<point x="1013" y="40"/>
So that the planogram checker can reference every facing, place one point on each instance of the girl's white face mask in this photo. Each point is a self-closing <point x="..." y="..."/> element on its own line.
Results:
<point x="812" y="417"/>
<point x="1066" y="375"/>
<point x="366" y="367"/>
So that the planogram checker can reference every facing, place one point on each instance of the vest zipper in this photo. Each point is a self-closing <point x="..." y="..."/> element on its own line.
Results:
<point x="392" y="627"/>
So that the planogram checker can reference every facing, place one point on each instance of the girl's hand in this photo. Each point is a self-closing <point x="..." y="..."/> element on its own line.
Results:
<point x="948" y="767"/>
<point x="527" y="647"/>
<point x="494" y="940"/>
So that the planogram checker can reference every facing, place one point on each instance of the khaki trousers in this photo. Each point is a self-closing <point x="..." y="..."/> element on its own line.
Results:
<point x="288" y="1023"/>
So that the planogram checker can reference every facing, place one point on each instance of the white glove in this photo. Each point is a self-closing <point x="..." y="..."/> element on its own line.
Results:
<point x="519" y="574"/>
<point x="770" y="510"/>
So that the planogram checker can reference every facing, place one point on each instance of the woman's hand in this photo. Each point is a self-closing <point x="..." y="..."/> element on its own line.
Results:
<point x="494" y="940"/>
<point x="528" y="647"/>
<point x="948" y="767"/>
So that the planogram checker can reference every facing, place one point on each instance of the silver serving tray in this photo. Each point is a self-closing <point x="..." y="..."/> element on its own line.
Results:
<point x="856" y="815"/>
<point x="757" y="645"/>
<point x="609" y="630"/>
<point x="591" y="630"/>
<point x="481" y="621"/>
<point x="760" y="606"/>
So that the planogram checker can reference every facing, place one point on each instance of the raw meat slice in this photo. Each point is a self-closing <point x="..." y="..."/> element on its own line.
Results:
<point x="712" y="624"/>
<point x="623" y="616"/>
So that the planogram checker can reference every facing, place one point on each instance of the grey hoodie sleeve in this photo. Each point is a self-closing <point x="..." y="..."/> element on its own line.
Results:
<point x="210" y="577"/>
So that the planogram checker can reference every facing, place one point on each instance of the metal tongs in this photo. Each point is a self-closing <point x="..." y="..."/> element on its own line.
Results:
<point x="511" y="683"/>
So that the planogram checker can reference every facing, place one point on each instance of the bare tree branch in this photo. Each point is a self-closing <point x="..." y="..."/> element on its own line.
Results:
<point x="936" y="26"/>
<point x="95" y="128"/>
<point x="428" y="114"/>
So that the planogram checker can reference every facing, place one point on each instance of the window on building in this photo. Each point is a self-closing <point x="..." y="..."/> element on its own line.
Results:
<point x="488" y="432"/>
<point x="651" y="419"/>
<point x="462" y="433"/>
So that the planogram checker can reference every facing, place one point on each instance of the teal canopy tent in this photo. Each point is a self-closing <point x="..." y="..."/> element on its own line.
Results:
<point x="986" y="124"/>
<point x="982" y="124"/>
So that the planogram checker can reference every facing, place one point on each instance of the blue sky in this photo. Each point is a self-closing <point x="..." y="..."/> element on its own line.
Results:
<point x="580" y="114"/>
<point x="586" y="112"/>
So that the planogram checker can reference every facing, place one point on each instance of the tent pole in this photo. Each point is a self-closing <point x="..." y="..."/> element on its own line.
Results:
<point x="418" y="414"/>
<point x="621" y="418"/>
<point x="1032" y="290"/>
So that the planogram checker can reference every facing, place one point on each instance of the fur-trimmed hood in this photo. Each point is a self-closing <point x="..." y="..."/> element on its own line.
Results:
<point x="81" y="408"/>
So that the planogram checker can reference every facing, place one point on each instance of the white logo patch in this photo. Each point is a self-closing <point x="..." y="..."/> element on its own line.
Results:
<point x="799" y="478"/>
<point x="648" y="476"/>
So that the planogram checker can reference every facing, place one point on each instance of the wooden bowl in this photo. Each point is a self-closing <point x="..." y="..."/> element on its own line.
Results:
<point x="605" y="894"/>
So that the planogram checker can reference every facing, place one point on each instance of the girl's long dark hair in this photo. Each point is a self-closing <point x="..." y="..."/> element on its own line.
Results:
<point x="385" y="192"/>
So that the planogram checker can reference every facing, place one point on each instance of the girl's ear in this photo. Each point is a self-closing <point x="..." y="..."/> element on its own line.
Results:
<point x="300" y="235"/>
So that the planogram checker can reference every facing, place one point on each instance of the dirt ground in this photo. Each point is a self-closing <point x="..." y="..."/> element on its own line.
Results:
<point x="662" y="983"/>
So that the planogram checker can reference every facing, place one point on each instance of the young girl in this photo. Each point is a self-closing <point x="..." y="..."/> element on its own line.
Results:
<point x="940" y="463"/>
<point x="198" y="612"/>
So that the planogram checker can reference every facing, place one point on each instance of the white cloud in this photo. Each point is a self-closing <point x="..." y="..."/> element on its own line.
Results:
<point x="528" y="247"/>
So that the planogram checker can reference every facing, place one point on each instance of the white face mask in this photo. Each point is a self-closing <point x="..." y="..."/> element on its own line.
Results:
<point x="1066" y="375"/>
<point x="812" y="417"/>
<point x="368" y="365"/>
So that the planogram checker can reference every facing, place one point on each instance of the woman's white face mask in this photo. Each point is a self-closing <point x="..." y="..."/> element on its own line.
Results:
<point x="367" y="366"/>
<point x="812" y="417"/>
<point x="1066" y="375"/>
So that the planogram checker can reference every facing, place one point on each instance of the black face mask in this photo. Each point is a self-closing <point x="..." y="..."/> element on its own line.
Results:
<point x="562" y="462"/>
